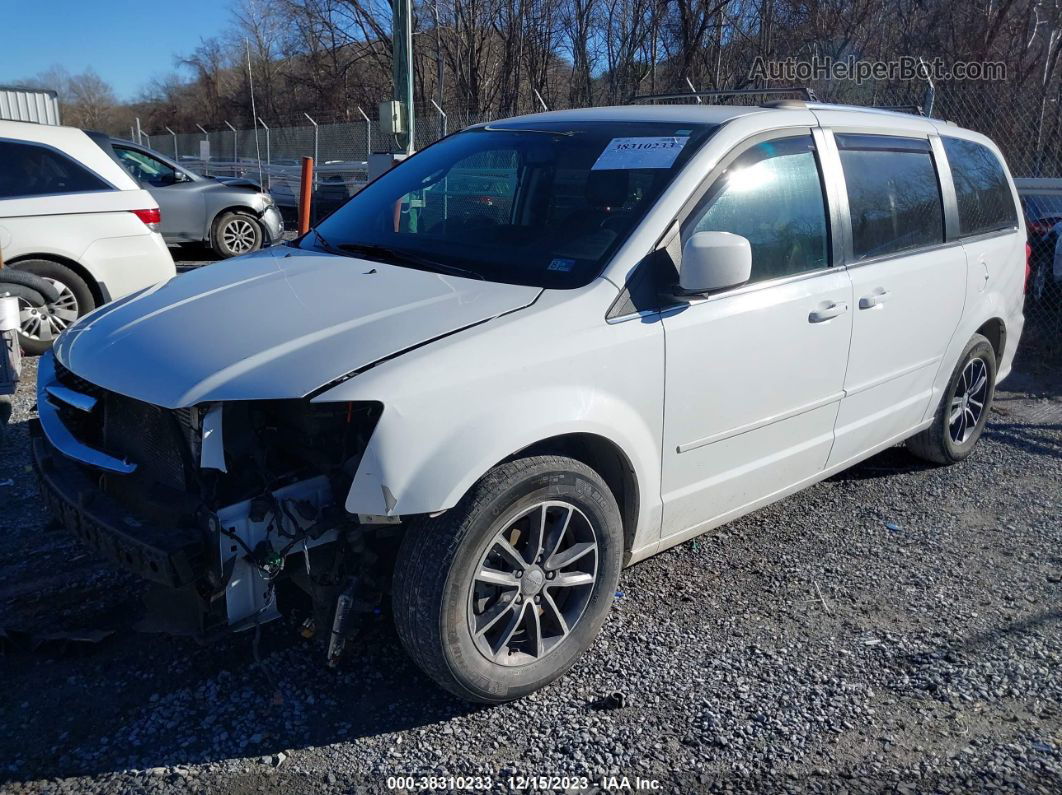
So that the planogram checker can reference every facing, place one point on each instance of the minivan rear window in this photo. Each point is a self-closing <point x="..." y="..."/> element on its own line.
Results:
<point x="893" y="194"/>
<point x="981" y="188"/>
<point x="34" y="170"/>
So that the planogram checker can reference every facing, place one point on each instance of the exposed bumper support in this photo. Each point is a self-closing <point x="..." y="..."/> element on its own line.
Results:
<point x="173" y="557"/>
<point x="57" y="433"/>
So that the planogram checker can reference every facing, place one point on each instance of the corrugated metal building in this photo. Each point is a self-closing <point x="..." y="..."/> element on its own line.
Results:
<point x="29" y="104"/>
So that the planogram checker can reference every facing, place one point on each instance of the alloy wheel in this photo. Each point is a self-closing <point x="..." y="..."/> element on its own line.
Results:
<point x="239" y="235"/>
<point x="44" y="323"/>
<point x="533" y="583"/>
<point x="968" y="403"/>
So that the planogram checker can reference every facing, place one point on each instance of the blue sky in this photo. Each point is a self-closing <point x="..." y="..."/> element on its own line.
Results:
<point x="127" y="42"/>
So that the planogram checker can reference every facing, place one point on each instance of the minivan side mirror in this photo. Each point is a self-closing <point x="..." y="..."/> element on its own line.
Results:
<point x="713" y="261"/>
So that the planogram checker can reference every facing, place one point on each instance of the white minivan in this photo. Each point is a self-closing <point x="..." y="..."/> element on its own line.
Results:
<point x="72" y="215"/>
<point x="535" y="352"/>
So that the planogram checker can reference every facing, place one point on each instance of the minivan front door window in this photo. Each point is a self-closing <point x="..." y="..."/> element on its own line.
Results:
<point x="771" y="195"/>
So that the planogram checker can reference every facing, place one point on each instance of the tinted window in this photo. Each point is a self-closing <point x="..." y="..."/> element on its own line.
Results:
<point x="145" y="168"/>
<point x="31" y="170"/>
<point x="771" y="195"/>
<point x="981" y="188"/>
<point x="544" y="203"/>
<point x="893" y="194"/>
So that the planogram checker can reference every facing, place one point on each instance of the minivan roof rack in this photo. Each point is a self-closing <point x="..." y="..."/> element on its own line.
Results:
<point x="915" y="109"/>
<point x="808" y="94"/>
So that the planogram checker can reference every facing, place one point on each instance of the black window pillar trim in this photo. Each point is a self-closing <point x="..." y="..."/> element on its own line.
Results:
<point x="947" y="189"/>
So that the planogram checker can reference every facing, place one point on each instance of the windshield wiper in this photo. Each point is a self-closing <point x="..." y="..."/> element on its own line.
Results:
<point x="397" y="257"/>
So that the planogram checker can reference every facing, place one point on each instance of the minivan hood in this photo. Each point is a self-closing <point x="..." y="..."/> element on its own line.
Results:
<point x="277" y="324"/>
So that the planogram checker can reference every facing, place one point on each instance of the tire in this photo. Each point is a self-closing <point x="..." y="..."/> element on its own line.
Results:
<point x="5" y="415"/>
<point x="236" y="233"/>
<point x="947" y="441"/>
<point x="439" y="602"/>
<point x="74" y="300"/>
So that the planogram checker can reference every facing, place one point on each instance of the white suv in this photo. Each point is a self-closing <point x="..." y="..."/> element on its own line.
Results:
<point x="72" y="215"/>
<point x="535" y="352"/>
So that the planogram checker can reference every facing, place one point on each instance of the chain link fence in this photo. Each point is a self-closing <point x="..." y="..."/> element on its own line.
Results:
<point x="1024" y="121"/>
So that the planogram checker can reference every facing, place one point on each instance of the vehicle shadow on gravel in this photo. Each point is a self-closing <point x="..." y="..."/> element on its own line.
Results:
<point x="886" y="464"/>
<point x="163" y="702"/>
<point x="1031" y="438"/>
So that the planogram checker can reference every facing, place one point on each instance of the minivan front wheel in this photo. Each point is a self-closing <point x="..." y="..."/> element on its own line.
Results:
<point x="502" y="594"/>
<point x="963" y="411"/>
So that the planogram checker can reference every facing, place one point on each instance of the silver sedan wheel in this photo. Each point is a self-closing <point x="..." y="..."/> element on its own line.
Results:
<point x="968" y="404"/>
<point x="533" y="583"/>
<point x="239" y="235"/>
<point x="44" y="323"/>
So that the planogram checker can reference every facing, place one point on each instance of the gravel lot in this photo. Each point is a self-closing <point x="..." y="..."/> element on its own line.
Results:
<point x="898" y="627"/>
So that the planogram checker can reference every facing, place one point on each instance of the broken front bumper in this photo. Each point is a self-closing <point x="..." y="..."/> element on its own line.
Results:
<point x="174" y="557"/>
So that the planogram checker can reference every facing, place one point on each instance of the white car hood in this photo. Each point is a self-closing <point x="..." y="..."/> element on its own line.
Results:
<point x="278" y="324"/>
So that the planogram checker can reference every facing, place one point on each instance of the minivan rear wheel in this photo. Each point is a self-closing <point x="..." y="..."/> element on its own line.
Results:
<point x="502" y="594"/>
<point x="40" y="325"/>
<point x="963" y="411"/>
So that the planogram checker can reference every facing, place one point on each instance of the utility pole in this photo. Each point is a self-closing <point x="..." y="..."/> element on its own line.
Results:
<point x="438" y="57"/>
<point x="402" y="68"/>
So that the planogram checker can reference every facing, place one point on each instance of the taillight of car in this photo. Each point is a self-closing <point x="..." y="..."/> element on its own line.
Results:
<point x="151" y="218"/>
<point x="1028" y="266"/>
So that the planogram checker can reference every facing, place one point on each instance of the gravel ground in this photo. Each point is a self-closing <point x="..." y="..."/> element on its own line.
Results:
<point x="894" y="628"/>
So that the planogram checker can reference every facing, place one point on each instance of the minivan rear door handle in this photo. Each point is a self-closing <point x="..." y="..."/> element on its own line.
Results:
<point x="875" y="299"/>
<point x="827" y="311"/>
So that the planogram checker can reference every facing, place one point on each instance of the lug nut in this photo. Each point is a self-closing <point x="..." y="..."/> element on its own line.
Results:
<point x="519" y="599"/>
<point x="518" y="574"/>
<point x="538" y="599"/>
<point x="550" y="575"/>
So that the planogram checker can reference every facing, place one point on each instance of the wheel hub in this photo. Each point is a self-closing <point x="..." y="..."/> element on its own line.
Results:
<point x="532" y="581"/>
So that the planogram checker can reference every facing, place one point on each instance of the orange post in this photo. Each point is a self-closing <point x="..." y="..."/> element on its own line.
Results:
<point x="305" y="195"/>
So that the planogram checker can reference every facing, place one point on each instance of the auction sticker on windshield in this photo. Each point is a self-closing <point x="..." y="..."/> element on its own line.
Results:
<point x="630" y="153"/>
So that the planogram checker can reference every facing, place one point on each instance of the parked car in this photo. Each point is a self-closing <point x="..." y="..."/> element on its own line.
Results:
<point x="1041" y="202"/>
<point x="70" y="214"/>
<point x="680" y="315"/>
<point x="232" y="215"/>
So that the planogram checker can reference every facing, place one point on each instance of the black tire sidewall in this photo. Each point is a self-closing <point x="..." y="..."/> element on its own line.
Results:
<point x="86" y="302"/>
<point x="219" y="245"/>
<point x="981" y="348"/>
<point x="488" y="681"/>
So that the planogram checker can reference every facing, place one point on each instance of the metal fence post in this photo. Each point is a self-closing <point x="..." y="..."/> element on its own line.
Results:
<point x="138" y="132"/>
<point x="368" y="134"/>
<point x="443" y="114"/>
<point x="206" y="137"/>
<point x="316" y="160"/>
<point x="541" y="101"/>
<point x="176" y="154"/>
<point x="234" y="153"/>
<point x="268" y="161"/>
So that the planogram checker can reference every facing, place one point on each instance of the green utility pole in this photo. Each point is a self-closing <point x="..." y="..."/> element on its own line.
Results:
<point x="402" y="68"/>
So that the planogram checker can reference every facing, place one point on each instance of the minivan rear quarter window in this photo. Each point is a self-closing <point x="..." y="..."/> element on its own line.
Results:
<point x="33" y="170"/>
<point x="981" y="188"/>
<point x="893" y="194"/>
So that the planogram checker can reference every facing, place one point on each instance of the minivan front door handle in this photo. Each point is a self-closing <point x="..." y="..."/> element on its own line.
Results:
<point x="827" y="312"/>
<point x="873" y="300"/>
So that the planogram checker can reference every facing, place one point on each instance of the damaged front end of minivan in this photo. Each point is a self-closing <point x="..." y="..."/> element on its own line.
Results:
<point x="232" y="510"/>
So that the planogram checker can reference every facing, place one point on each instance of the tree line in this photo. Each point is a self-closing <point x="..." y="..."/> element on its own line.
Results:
<point x="475" y="57"/>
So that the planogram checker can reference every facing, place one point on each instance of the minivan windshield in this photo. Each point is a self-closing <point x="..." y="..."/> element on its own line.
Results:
<point x="543" y="204"/>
